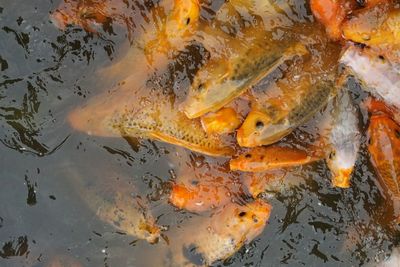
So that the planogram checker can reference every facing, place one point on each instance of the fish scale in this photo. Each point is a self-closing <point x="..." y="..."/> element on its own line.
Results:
<point x="316" y="100"/>
<point x="170" y="126"/>
<point x="383" y="135"/>
<point x="222" y="80"/>
<point x="248" y="68"/>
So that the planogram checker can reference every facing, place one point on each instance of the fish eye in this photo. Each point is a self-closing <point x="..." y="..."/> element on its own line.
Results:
<point x="331" y="155"/>
<point x="259" y="125"/>
<point x="241" y="214"/>
<point x="255" y="220"/>
<point x="361" y="3"/>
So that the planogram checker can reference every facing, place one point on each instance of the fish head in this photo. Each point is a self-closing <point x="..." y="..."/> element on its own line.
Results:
<point x="151" y="232"/>
<point x="258" y="129"/>
<point x="183" y="19"/>
<point x="250" y="219"/>
<point x="341" y="163"/>
<point x="250" y="133"/>
<point x="209" y="90"/>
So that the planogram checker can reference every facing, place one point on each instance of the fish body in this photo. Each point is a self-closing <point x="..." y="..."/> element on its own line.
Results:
<point x="377" y="28"/>
<point x="114" y="202"/>
<point x="132" y="110"/>
<point x="220" y="236"/>
<point x="378" y="76"/>
<point x="262" y="183"/>
<point x="385" y="151"/>
<point x="201" y="197"/>
<point x="384" y="148"/>
<point x="178" y="19"/>
<point x="263" y="158"/>
<point x="267" y="184"/>
<point x="265" y="126"/>
<point x="83" y="13"/>
<point x="164" y="123"/>
<point x="223" y="79"/>
<point x="155" y="30"/>
<point x="201" y="184"/>
<point x="331" y="13"/>
<point x="344" y="140"/>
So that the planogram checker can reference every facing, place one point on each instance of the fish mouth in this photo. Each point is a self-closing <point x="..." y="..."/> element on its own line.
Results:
<point x="342" y="178"/>
<point x="92" y="122"/>
<point x="245" y="141"/>
<point x="217" y="96"/>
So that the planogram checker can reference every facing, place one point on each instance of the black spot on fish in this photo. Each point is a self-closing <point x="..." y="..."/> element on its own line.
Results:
<point x="187" y="21"/>
<point x="247" y="156"/>
<point x="241" y="214"/>
<point x="255" y="219"/>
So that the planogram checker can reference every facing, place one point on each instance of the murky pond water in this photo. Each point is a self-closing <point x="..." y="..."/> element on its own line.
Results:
<point x="46" y="167"/>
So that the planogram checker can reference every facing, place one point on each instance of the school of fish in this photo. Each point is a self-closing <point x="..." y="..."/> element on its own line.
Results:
<point x="255" y="86"/>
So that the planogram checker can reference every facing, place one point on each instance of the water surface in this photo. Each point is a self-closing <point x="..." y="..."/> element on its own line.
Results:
<point x="45" y="73"/>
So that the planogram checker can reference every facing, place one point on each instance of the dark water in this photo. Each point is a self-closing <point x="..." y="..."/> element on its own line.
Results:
<point x="44" y="74"/>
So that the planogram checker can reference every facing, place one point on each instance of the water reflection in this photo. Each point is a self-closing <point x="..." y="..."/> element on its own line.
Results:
<point x="45" y="73"/>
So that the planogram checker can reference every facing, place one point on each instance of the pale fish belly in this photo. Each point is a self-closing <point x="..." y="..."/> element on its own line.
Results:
<point x="377" y="75"/>
<point x="344" y="140"/>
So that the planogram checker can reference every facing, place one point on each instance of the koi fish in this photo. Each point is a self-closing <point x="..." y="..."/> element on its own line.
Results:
<point x="331" y="13"/>
<point x="263" y="158"/>
<point x="199" y="198"/>
<point x="179" y="20"/>
<point x="227" y="231"/>
<point x="376" y="75"/>
<point x="269" y="125"/>
<point x="113" y="202"/>
<point x="344" y="140"/>
<point x="223" y="79"/>
<point x="377" y="28"/>
<point x="262" y="183"/>
<point x="292" y="98"/>
<point x="384" y="148"/>
<point x="127" y="111"/>
<point x="202" y="185"/>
